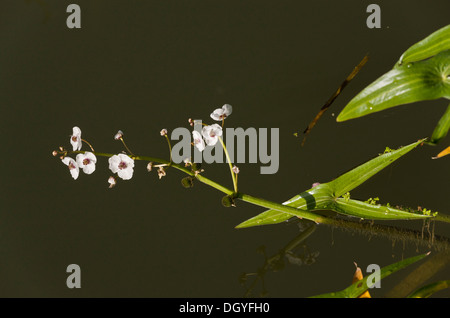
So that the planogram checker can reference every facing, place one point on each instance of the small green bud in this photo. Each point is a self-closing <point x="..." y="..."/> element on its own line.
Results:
<point x="187" y="182"/>
<point x="227" y="201"/>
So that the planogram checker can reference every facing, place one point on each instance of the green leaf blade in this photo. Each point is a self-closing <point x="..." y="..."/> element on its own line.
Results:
<point x="360" y="174"/>
<point x="373" y="212"/>
<point x="318" y="197"/>
<point x="442" y="127"/>
<point x="433" y="44"/>
<point x="323" y="196"/>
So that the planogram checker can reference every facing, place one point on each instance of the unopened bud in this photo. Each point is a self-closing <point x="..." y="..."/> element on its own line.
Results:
<point x="227" y="201"/>
<point x="150" y="166"/>
<point x="187" y="182"/>
<point x="187" y="162"/>
<point x="235" y="169"/>
<point x="54" y="153"/>
<point x="112" y="182"/>
<point x="163" y="132"/>
<point x="119" y="135"/>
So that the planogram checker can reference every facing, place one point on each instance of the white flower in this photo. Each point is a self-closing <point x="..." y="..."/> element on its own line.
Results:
<point x="122" y="165"/>
<point x="211" y="134"/>
<point x="221" y="113"/>
<point x="163" y="132"/>
<point x="73" y="167"/>
<point x="86" y="161"/>
<point x="198" y="140"/>
<point x="75" y="139"/>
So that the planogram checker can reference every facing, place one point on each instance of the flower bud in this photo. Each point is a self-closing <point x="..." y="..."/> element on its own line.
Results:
<point x="119" y="135"/>
<point x="187" y="182"/>
<point x="227" y="201"/>
<point x="112" y="182"/>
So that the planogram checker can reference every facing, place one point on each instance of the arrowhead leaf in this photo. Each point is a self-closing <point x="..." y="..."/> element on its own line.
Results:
<point x="412" y="82"/>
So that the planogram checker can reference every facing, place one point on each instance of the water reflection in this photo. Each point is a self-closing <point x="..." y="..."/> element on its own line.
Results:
<point x="296" y="252"/>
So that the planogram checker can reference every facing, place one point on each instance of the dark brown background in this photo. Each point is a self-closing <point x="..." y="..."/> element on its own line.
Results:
<point x="141" y="66"/>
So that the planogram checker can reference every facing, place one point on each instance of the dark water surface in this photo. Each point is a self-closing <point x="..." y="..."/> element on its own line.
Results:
<point x="141" y="66"/>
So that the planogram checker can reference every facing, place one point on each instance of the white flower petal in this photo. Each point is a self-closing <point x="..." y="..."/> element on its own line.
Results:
<point x="220" y="114"/>
<point x="75" y="173"/>
<point x="217" y="114"/>
<point x="126" y="174"/>
<point x="76" y="131"/>
<point x="227" y="109"/>
<point x="66" y="160"/>
<point x="198" y="140"/>
<point x="73" y="166"/>
<point x="114" y="163"/>
<point x="88" y="169"/>
<point x="211" y="134"/>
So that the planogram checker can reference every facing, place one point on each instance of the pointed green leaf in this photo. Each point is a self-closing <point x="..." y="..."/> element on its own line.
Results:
<point x="361" y="286"/>
<point x="373" y="212"/>
<point x="319" y="197"/>
<point x="440" y="131"/>
<point x="360" y="174"/>
<point x="323" y="196"/>
<point x="411" y="82"/>
<point x="433" y="44"/>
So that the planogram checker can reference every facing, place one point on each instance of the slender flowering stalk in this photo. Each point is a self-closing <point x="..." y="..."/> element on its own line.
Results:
<point x="164" y="133"/>
<point x="233" y="174"/>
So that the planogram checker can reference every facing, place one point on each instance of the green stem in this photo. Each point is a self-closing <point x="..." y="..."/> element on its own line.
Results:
<point x="126" y="147"/>
<point x="248" y="198"/>
<point x="233" y="176"/>
<point x="170" y="146"/>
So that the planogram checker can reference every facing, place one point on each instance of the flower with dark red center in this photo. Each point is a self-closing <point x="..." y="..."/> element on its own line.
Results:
<point x="221" y="113"/>
<point x="75" y="139"/>
<point x="86" y="161"/>
<point x="73" y="166"/>
<point x="122" y="165"/>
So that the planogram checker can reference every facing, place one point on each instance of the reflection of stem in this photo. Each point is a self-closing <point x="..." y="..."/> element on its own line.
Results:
<point x="269" y="262"/>
<point x="439" y="243"/>
<point x="420" y="275"/>
<point x="233" y="175"/>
